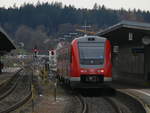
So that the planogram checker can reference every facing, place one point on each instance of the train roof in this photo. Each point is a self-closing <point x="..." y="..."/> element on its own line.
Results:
<point x="84" y="38"/>
<point x="87" y="38"/>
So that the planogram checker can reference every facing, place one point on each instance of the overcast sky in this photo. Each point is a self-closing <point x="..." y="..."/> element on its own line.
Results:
<point x="115" y="4"/>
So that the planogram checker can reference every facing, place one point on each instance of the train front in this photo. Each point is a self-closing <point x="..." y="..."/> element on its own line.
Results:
<point x="91" y="61"/>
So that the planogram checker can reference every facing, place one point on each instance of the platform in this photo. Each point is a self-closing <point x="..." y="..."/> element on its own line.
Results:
<point x="141" y="95"/>
<point x="140" y="91"/>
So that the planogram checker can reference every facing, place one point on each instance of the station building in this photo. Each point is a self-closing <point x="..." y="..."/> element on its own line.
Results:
<point x="6" y="45"/>
<point x="130" y="50"/>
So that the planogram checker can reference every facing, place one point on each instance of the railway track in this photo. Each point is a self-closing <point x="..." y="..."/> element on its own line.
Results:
<point x="118" y="106"/>
<point x="7" y="87"/>
<point x="90" y="103"/>
<point x="86" y="107"/>
<point x="106" y="100"/>
<point x="83" y="104"/>
<point x="15" y="92"/>
<point x="114" y="105"/>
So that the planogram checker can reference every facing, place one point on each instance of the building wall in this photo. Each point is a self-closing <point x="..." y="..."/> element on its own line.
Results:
<point x="127" y="64"/>
<point x="147" y="62"/>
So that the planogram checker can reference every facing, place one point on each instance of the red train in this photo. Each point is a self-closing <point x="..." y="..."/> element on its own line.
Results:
<point x="86" y="62"/>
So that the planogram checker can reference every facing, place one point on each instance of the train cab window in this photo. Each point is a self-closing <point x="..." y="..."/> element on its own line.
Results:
<point x="92" y="55"/>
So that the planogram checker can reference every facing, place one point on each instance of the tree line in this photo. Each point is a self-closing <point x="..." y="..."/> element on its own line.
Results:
<point x="40" y="24"/>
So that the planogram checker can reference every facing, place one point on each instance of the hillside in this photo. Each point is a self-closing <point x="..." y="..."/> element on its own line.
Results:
<point x="44" y="23"/>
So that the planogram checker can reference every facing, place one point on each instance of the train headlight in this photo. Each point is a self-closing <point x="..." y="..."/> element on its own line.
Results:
<point x="102" y="70"/>
<point x="83" y="71"/>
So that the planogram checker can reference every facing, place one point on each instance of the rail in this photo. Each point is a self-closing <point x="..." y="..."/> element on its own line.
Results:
<point x="82" y="102"/>
<point x="114" y="104"/>
<point x="19" y="92"/>
<point x="8" y="86"/>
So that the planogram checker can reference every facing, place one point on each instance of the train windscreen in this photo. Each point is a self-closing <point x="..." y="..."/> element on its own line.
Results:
<point x="91" y="53"/>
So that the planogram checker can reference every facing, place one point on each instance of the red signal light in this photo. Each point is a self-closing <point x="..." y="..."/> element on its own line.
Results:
<point x="35" y="50"/>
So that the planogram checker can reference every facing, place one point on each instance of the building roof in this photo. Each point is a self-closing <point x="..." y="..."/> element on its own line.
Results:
<point x="6" y="44"/>
<point x="120" y="32"/>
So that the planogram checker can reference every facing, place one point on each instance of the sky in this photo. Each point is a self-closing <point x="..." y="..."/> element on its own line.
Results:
<point x="114" y="4"/>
